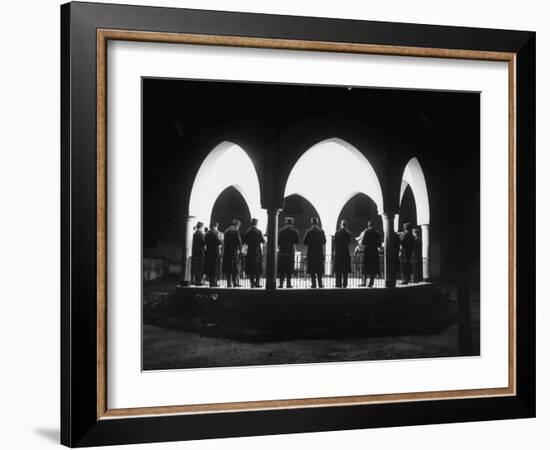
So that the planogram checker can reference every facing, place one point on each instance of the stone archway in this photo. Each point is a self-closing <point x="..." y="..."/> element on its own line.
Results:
<point x="330" y="173"/>
<point x="413" y="177"/>
<point x="227" y="165"/>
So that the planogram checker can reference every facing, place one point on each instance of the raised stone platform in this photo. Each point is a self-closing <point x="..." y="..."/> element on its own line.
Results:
<point x="259" y="314"/>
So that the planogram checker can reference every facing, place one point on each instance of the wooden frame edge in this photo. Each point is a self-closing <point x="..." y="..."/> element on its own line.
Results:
<point x="104" y="35"/>
<point x="101" y="223"/>
<point x="290" y="44"/>
<point x="303" y="403"/>
<point x="512" y="198"/>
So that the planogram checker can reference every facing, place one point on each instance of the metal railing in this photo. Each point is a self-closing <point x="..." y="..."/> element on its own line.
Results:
<point x="301" y="278"/>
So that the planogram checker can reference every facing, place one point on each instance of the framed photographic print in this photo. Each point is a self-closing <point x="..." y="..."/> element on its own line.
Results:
<point x="277" y="224"/>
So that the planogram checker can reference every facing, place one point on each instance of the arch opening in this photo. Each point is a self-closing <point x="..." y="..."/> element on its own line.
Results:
<point x="358" y="210"/>
<point x="413" y="177"/>
<point x="407" y="209"/>
<point x="301" y="210"/>
<point x="230" y="205"/>
<point x="227" y="165"/>
<point x="329" y="174"/>
<point x="414" y="196"/>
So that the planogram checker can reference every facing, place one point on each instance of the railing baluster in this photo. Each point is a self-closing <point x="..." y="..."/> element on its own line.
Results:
<point x="301" y="278"/>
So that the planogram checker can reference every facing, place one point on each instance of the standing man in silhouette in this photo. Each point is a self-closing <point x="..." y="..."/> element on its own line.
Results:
<point x="288" y="237"/>
<point x="213" y="241"/>
<point x="342" y="262"/>
<point x="231" y="253"/>
<point x="315" y="240"/>
<point x="394" y="257"/>
<point x="197" y="255"/>
<point x="407" y="248"/>
<point x="371" y="262"/>
<point x="254" y="239"/>
<point x="417" y="256"/>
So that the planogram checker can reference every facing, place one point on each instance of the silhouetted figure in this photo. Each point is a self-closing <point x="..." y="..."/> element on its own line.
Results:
<point x="371" y="261"/>
<point x="406" y="251"/>
<point x="232" y="246"/>
<point x="254" y="239"/>
<point x="342" y="262"/>
<point x="287" y="239"/>
<point x="394" y="258"/>
<point x="315" y="240"/>
<point x="197" y="255"/>
<point x="417" y="256"/>
<point x="213" y="241"/>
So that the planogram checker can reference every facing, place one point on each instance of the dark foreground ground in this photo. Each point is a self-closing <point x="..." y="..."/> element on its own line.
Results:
<point x="169" y="348"/>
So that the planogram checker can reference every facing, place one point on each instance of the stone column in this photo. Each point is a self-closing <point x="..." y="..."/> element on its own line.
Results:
<point x="396" y="223"/>
<point x="425" y="251"/>
<point x="328" y="255"/>
<point x="271" y="248"/>
<point x="186" y="253"/>
<point x="389" y="263"/>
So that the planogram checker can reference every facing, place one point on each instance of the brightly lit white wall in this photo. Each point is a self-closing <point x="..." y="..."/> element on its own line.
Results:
<point x="226" y="165"/>
<point x="329" y="174"/>
<point x="413" y="176"/>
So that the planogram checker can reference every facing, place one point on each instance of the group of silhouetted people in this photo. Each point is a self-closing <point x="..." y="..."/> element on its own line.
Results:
<point x="405" y="247"/>
<point x="206" y="254"/>
<point x="405" y="250"/>
<point x="411" y="254"/>
<point x="314" y="240"/>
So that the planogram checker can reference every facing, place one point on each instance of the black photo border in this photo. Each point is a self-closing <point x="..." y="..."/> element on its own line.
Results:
<point x="83" y="422"/>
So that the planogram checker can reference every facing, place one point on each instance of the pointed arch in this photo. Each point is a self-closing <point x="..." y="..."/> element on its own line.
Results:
<point x="226" y="165"/>
<point x="329" y="174"/>
<point x="413" y="176"/>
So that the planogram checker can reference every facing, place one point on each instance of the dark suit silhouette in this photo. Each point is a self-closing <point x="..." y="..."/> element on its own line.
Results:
<point x="371" y="263"/>
<point x="287" y="239"/>
<point x="342" y="262"/>
<point x="231" y="251"/>
<point x="213" y="241"/>
<point x="314" y="240"/>
<point x="407" y="248"/>
<point x="197" y="257"/>
<point x="416" y="260"/>
<point x="254" y="239"/>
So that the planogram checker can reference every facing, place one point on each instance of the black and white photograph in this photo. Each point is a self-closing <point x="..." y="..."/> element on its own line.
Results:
<point x="302" y="224"/>
<point x="278" y="224"/>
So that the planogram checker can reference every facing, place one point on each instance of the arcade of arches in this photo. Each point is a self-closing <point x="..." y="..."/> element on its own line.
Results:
<point x="341" y="173"/>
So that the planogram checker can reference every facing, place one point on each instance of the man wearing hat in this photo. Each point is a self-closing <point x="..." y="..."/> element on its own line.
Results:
<point x="231" y="253"/>
<point x="253" y="238"/>
<point x="213" y="241"/>
<point x="315" y="240"/>
<point x="197" y="255"/>
<point x="342" y="263"/>
<point x="371" y="243"/>
<point x="406" y="251"/>
<point x="417" y="256"/>
<point x="288" y="237"/>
